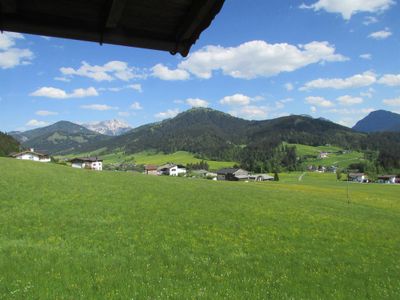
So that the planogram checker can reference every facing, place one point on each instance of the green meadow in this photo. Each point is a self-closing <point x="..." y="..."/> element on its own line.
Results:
<point x="333" y="159"/>
<point x="79" y="234"/>
<point x="143" y="158"/>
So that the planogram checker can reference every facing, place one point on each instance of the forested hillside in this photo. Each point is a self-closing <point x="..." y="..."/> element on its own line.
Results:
<point x="7" y="144"/>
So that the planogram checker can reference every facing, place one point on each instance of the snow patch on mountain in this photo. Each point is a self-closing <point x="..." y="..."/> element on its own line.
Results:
<point x="110" y="127"/>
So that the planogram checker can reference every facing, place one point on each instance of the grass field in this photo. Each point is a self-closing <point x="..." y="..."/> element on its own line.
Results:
<point x="180" y="157"/>
<point x="78" y="234"/>
<point x="333" y="159"/>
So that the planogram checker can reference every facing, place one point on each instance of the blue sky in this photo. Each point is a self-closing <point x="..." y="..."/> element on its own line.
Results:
<point x="258" y="60"/>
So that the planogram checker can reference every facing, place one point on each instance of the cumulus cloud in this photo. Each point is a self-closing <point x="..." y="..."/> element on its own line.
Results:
<point x="251" y="112"/>
<point x="99" y="107"/>
<point x="366" y="56"/>
<point x="236" y="99"/>
<point x="346" y="111"/>
<point x="349" y="100"/>
<point x="170" y="113"/>
<point x="368" y="20"/>
<point x="196" y="102"/>
<point x="256" y="59"/>
<point x="51" y="92"/>
<point x="11" y="56"/>
<point x="110" y="71"/>
<point x="319" y="101"/>
<point x="136" y="106"/>
<point x="45" y="113"/>
<point x="348" y="8"/>
<point x="390" y="80"/>
<point x="313" y="109"/>
<point x="36" y="123"/>
<point x="380" y="35"/>
<point x="392" y="102"/>
<point x="164" y="73"/>
<point x="137" y="87"/>
<point x="355" y="81"/>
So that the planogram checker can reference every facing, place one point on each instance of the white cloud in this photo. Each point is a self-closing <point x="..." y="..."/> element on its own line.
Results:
<point x="366" y="56"/>
<point x="36" y="123"/>
<point x="51" y="92"/>
<point x="390" y="80"/>
<point x="45" y="113"/>
<point x="164" y="73"/>
<point x="313" y="109"/>
<point x="349" y="100"/>
<point x="10" y="56"/>
<point x="369" y="93"/>
<point x="64" y="79"/>
<point x="236" y="99"/>
<point x="137" y="87"/>
<point x="380" y="35"/>
<point x="289" y="86"/>
<point x="392" y="102"/>
<point x="355" y="81"/>
<point x="368" y="20"/>
<point x="251" y="112"/>
<point x="100" y="107"/>
<point x="196" y="102"/>
<point x="136" y="106"/>
<point x="346" y="111"/>
<point x="348" y="8"/>
<point x="170" y="113"/>
<point x="110" y="71"/>
<point x="257" y="59"/>
<point x="319" y="101"/>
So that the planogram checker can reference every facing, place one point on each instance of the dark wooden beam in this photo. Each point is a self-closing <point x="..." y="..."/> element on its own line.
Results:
<point x="115" y="14"/>
<point x="8" y="6"/>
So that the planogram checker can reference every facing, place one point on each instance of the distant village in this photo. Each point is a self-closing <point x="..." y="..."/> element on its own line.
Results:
<point x="229" y="174"/>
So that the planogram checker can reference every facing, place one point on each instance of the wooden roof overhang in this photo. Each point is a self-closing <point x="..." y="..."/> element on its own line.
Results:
<point x="169" y="25"/>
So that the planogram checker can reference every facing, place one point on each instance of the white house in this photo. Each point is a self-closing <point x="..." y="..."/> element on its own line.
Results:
<point x="387" y="179"/>
<point x="358" y="177"/>
<point x="92" y="163"/>
<point x="171" y="170"/>
<point x="32" y="155"/>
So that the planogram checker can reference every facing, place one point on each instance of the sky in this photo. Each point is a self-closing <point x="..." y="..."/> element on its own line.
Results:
<point x="258" y="60"/>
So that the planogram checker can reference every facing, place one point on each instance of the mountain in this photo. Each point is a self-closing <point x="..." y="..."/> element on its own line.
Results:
<point x="111" y="127"/>
<point x="62" y="137"/>
<point x="216" y="135"/>
<point x="377" y="121"/>
<point x="8" y="144"/>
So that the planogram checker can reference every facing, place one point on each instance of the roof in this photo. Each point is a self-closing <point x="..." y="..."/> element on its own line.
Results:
<point x="227" y="171"/>
<point x="28" y="152"/>
<point x="172" y="25"/>
<point x="86" y="159"/>
<point x="387" y="176"/>
<point x="150" y="167"/>
<point x="356" y="174"/>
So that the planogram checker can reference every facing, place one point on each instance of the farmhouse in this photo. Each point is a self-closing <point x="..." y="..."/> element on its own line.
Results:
<point x="323" y="155"/>
<point x="92" y="163"/>
<point x="32" y="155"/>
<point x="150" y="170"/>
<point x="358" y="177"/>
<point x="387" y="179"/>
<point x="232" y="174"/>
<point x="171" y="169"/>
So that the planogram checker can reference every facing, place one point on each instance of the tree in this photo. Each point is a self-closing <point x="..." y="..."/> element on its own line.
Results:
<point x="338" y="174"/>
<point x="276" y="176"/>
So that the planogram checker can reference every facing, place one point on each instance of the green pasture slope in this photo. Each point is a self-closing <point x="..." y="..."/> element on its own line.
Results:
<point x="333" y="159"/>
<point x="78" y="234"/>
<point x="179" y="157"/>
